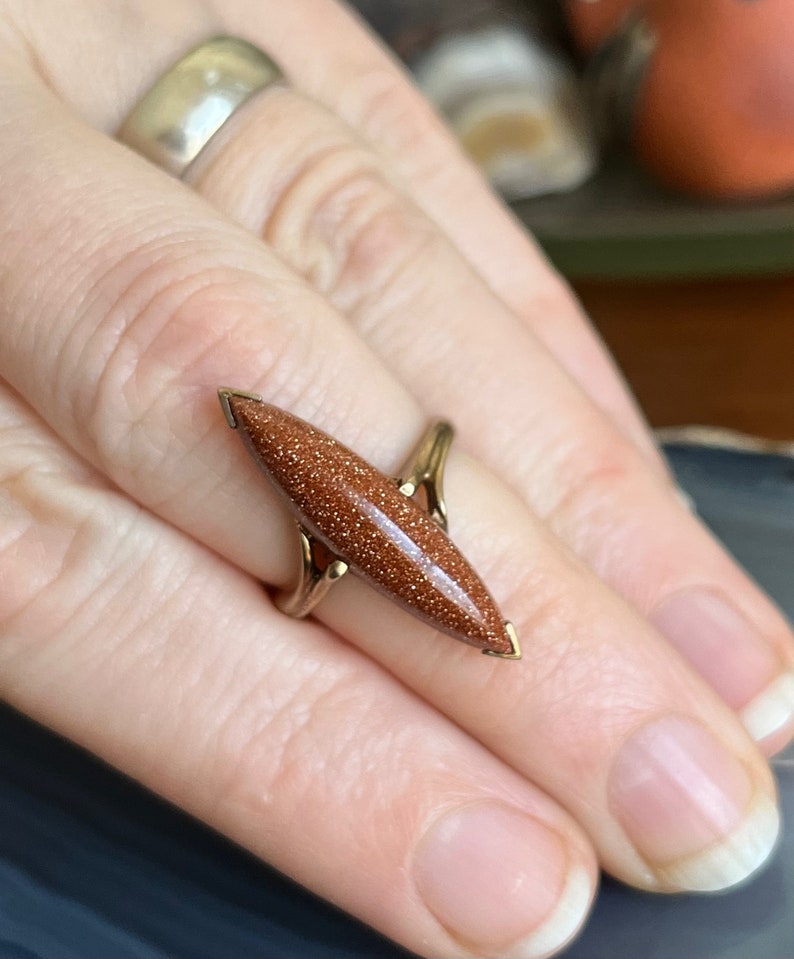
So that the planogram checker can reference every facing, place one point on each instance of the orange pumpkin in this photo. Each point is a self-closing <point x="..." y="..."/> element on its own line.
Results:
<point x="593" y="20"/>
<point x="714" y="109"/>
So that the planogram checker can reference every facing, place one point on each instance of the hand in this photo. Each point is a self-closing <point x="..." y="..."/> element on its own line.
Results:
<point x="334" y="253"/>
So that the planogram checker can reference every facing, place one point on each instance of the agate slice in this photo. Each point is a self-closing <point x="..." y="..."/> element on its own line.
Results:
<point x="353" y="517"/>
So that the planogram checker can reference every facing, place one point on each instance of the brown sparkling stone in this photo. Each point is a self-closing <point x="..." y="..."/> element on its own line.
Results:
<point x="361" y="517"/>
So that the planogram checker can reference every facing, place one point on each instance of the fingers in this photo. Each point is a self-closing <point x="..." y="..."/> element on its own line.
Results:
<point x="142" y="646"/>
<point x="121" y="351"/>
<point x="295" y="174"/>
<point x="356" y="239"/>
<point x="339" y="64"/>
<point x="328" y="206"/>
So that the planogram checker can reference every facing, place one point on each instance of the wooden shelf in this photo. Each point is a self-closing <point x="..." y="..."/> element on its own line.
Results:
<point x="716" y="352"/>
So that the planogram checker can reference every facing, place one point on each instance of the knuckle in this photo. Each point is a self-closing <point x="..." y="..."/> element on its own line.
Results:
<point x="596" y="472"/>
<point x="55" y="552"/>
<point x="384" y="263"/>
<point x="575" y="671"/>
<point x="546" y="620"/>
<point x="539" y="594"/>
<point x="20" y="578"/>
<point x="167" y="321"/>
<point x="82" y="576"/>
<point x="31" y="550"/>
<point x="345" y="228"/>
<point x="272" y="744"/>
<point x="307" y="743"/>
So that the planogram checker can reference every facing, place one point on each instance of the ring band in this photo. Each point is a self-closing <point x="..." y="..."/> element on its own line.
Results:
<point x="350" y="517"/>
<point x="187" y="106"/>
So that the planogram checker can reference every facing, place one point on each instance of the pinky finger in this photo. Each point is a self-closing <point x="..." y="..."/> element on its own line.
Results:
<point x="146" y="648"/>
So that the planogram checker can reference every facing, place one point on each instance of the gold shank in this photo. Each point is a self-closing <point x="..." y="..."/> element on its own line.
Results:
<point x="424" y="470"/>
<point x="314" y="580"/>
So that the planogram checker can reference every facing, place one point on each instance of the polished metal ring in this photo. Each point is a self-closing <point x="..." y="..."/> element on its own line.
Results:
<point x="189" y="104"/>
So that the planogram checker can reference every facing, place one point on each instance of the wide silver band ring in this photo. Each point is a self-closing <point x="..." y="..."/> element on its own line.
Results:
<point x="190" y="103"/>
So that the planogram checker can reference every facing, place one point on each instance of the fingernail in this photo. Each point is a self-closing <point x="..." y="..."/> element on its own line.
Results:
<point x="689" y="807"/>
<point x="500" y="880"/>
<point x="727" y="651"/>
<point x="771" y="709"/>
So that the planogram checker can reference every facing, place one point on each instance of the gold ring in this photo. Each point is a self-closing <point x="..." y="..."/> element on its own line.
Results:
<point x="187" y="106"/>
<point x="350" y="517"/>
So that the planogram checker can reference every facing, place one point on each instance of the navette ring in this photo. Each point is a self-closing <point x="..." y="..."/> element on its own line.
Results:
<point x="353" y="518"/>
<point x="187" y="106"/>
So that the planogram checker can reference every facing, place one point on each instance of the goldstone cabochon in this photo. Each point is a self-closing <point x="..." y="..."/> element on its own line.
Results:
<point x="361" y="517"/>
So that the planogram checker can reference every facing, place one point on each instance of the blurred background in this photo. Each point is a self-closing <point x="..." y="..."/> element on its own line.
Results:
<point x="649" y="146"/>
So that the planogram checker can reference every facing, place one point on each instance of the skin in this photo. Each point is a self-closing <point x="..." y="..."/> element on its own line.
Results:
<point x="333" y="252"/>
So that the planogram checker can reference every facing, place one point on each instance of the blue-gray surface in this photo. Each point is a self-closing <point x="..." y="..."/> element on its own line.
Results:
<point x="93" y="866"/>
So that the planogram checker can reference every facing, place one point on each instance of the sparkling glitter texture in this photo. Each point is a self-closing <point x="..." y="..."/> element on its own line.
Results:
<point x="362" y="518"/>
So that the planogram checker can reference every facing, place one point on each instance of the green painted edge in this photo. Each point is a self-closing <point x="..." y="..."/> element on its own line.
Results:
<point x="671" y="255"/>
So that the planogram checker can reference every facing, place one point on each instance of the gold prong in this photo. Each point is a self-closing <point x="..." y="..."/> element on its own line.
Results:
<point x="515" y="652"/>
<point x="225" y="394"/>
<point x="336" y="570"/>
